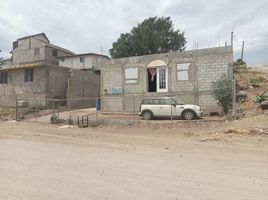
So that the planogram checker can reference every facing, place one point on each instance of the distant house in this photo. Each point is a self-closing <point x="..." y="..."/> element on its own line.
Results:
<point x="83" y="85"/>
<point x="87" y="61"/>
<point x="184" y="75"/>
<point x="34" y="73"/>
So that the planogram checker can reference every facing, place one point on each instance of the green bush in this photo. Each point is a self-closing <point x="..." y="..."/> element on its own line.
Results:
<point x="222" y="90"/>
<point x="256" y="82"/>
<point x="261" y="97"/>
<point x="241" y="96"/>
<point x="239" y="62"/>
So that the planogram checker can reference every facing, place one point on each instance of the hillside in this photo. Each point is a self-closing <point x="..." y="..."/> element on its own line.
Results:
<point x="253" y="81"/>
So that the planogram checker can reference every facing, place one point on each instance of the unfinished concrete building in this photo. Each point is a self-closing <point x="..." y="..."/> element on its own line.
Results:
<point x="35" y="73"/>
<point x="184" y="75"/>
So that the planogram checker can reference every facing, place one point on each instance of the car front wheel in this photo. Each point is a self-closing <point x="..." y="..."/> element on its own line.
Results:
<point x="147" y="115"/>
<point x="188" y="115"/>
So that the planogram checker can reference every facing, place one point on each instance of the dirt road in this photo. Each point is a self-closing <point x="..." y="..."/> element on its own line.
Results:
<point x="40" y="161"/>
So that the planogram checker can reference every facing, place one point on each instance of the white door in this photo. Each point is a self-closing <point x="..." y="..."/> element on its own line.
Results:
<point x="162" y="79"/>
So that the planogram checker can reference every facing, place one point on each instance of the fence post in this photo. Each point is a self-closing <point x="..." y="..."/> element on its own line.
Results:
<point x="16" y="108"/>
<point x="134" y="111"/>
<point x="98" y="107"/>
<point x="171" y="114"/>
<point x="234" y="100"/>
<point x="58" y="108"/>
<point x="53" y="106"/>
<point x="36" y="114"/>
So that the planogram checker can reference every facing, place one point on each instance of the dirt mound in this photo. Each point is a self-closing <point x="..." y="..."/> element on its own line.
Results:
<point x="253" y="82"/>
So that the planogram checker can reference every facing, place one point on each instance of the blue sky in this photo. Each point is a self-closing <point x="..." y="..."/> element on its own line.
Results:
<point x="92" y="26"/>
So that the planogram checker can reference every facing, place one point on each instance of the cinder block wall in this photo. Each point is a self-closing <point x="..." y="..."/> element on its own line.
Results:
<point x="48" y="83"/>
<point x="16" y="86"/>
<point x="207" y="65"/>
<point x="25" y="51"/>
<point x="83" y="85"/>
<point x="57" y="82"/>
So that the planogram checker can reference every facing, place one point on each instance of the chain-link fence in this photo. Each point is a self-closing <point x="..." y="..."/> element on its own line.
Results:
<point x="119" y="109"/>
<point x="82" y="112"/>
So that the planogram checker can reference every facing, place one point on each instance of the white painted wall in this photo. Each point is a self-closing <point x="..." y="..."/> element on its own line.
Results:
<point x="74" y="62"/>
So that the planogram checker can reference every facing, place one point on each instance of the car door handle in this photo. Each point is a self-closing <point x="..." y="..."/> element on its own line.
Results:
<point x="182" y="107"/>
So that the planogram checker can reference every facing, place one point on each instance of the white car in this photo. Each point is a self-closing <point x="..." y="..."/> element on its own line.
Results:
<point x="167" y="106"/>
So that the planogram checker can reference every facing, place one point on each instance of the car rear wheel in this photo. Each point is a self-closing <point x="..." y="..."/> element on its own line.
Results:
<point x="147" y="115"/>
<point x="188" y="115"/>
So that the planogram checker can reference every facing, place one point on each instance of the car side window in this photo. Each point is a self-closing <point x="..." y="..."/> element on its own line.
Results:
<point x="161" y="101"/>
<point x="149" y="102"/>
<point x="166" y="101"/>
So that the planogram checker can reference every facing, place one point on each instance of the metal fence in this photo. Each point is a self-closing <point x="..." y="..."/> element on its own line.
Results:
<point x="86" y="112"/>
<point x="83" y="112"/>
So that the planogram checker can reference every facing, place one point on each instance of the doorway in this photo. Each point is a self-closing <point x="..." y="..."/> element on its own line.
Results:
<point x="157" y="79"/>
<point x="151" y="80"/>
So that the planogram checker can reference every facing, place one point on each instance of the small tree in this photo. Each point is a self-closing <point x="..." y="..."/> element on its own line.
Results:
<point x="222" y="90"/>
<point x="239" y="62"/>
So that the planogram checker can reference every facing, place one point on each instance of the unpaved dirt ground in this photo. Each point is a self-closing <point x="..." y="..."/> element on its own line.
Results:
<point x="193" y="160"/>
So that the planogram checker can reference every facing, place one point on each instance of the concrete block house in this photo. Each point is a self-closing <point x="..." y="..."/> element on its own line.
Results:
<point x="34" y="73"/>
<point x="184" y="75"/>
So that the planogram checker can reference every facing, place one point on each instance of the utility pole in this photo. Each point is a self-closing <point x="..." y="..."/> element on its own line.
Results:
<point x="242" y="53"/>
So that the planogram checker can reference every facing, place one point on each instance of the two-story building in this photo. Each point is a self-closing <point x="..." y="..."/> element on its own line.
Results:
<point x="34" y="73"/>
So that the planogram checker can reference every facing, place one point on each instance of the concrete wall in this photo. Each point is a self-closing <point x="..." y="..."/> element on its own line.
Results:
<point x="83" y="85"/>
<point x="54" y="59"/>
<point x="48" y="83"/>
<point x="25" y="52"/>
<point x="89" y="61"/>
<point x="16" y="86"/>
<point x="57" y="82"/>
<point x="207" y="65"/>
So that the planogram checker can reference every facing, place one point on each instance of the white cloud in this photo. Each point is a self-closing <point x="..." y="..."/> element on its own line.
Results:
<point x="88" y="25"/>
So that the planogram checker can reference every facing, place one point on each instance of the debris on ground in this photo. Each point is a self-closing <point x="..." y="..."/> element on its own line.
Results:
<point x="264" y="105"/>
<point x="66" y="126"/>
<point x="248" y="131"/>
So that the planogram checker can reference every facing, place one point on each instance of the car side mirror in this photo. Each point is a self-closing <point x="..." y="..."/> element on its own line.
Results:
<point x="174" y="104"/>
